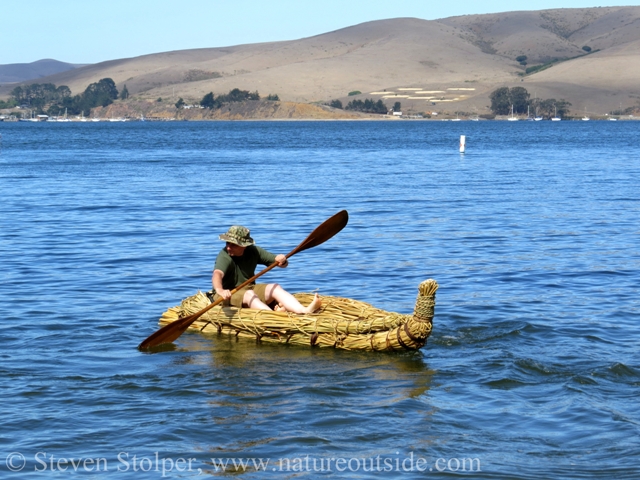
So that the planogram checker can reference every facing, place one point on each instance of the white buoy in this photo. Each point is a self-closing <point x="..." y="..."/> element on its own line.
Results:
<point x="462" y="143"/>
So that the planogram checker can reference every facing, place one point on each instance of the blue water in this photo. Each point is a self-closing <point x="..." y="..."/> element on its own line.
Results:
<point x="532" y="370"/>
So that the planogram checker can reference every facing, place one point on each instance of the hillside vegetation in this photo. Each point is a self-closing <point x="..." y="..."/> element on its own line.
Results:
<point x="449" y="64"/>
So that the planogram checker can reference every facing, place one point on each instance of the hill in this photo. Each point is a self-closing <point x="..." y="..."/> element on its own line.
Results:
<point x="34" y="71"/>
<point x="448" y="64"/>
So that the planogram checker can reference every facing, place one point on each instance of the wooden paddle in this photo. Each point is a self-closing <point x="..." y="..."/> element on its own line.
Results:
<point x="321" y="234"/>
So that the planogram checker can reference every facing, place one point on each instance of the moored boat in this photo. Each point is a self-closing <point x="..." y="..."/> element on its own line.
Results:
<point x="340" y="323"/>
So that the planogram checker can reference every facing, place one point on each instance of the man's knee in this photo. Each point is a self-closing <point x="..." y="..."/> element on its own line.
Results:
<point x="270" y="291"/>
<point x="249" y="297"/>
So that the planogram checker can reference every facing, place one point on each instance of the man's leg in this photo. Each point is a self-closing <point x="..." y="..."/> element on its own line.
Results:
<point x="251" y="300"/>
<point x="288" y="302"/>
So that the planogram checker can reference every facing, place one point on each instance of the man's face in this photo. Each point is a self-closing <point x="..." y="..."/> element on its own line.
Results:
<point x="234" y="250"/>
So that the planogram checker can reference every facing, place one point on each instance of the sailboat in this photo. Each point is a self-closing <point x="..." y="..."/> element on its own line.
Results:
<point x="537" y="118"/>
<point x="614" y="119"/>
<point x="555" y="115"/>
<point x="512" y="118"/>
<point x="64" y="119"/>
<point x="31" y="119"/>
<point x="529" y="117"/>
<point x="585" y="118"/>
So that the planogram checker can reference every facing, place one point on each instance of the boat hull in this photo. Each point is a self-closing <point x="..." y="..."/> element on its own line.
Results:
<point x="340" y="323"/>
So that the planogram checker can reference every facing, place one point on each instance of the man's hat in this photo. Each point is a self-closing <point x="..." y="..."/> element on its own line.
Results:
<point x="238" y="235"/>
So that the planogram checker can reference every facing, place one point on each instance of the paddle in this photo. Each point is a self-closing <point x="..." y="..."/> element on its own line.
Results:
<point x="321" y="234"/>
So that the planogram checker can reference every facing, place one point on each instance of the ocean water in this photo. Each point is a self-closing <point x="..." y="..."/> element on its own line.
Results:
<point x="532" y="370"/>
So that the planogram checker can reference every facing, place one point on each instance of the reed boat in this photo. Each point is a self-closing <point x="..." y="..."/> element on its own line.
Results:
<point x="339" y="323"/>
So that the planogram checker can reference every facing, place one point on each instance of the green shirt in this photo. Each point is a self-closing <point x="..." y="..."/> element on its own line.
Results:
<point x="238" y="270"/>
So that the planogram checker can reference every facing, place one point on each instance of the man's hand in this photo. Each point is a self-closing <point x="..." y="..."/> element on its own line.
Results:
<point x="226" y="294"/>
<point x="282" y="260"/>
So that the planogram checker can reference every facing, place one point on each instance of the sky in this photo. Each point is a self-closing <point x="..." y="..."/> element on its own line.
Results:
<point x="86" y="31"/>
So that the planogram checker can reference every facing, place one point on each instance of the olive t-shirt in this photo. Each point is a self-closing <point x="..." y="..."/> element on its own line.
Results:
<point x="240" y="269"/>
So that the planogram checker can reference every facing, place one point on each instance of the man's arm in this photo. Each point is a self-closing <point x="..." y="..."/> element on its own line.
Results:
<point x="216" y="280"/>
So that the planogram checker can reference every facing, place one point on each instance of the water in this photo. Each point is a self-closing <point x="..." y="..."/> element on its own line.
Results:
<point x="532" y="370"/>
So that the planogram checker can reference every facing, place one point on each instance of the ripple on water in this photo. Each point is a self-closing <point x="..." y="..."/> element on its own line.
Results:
<point x="532" y="366"/>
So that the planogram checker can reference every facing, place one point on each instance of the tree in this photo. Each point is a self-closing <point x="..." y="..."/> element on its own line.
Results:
<point x="563" y="107"/>
<point x="124" y="94"/>
<point x="500" y="101"/>
<point x="273" y="97"/>
<point x="40" y="96"/>
<point x="63" y="91"/>
<point x="336" y="104"/>
<point x="180" y="103"/>
<point x="551" y="106"/>
<point x="8" y="104"/>
<point x="208" y="101"/>
<point x="104" y="92"/>
<point x="586" y="48"/>
<point x="18" y="94"/>
<point x="504" y="98"/>
<point x="101" y="93"/>
<point x="521" y="59"/>
<point x="546" y="107"/>
<point x="397" y="107"/>
<point x="519" y="99"/>
<point x="368" y="106"/>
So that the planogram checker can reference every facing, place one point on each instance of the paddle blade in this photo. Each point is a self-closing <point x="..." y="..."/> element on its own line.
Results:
<point x="168" y="333"/>
<point x="323" y="232"/>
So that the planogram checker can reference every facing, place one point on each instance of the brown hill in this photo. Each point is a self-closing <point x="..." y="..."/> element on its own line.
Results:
<point x="449" y="64"/>
<point x="260" y="109"/>
<point x="21" y="72"/>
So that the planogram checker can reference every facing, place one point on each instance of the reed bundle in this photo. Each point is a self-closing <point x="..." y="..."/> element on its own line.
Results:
<point x="340" y="322"/>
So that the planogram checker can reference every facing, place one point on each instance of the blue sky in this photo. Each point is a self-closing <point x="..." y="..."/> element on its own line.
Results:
<point x="86" y="31"/>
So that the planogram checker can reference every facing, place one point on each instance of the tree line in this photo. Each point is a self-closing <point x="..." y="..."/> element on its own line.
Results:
<point x="366" y="106"/>
<point x="504" y="98"/>
<point x="235" y="95"/>
<point x="47" y="98"/>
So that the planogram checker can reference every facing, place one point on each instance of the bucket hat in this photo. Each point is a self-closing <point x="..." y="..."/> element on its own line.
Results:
<point x="238" y="235"/>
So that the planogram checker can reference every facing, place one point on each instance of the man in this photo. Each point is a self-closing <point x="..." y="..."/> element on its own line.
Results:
<point x="237" y="263"/>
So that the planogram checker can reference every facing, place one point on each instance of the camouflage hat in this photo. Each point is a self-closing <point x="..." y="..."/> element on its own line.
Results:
<point x="238" y="235"/>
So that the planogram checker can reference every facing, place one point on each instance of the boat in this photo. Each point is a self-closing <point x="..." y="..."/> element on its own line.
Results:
<point x="512" y="118"/>
<point x="585" y="118"/>
<point x="63" y="119"/>
<point x="555" y="115"/>
<point x="529" y="117"/>
<point x="29" y="119"/>
<point x="340" y="323"/>
<point x="537" y="118"/>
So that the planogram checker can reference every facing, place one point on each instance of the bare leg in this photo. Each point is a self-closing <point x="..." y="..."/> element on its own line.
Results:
<point x="251" y="300"/>
<point x="288" y="302"/>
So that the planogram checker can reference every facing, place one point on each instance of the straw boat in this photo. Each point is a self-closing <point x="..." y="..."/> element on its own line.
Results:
<point x="340" y="322"/>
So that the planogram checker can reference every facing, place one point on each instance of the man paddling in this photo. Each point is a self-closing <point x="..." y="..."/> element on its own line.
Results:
<point x="237" y="262"/>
